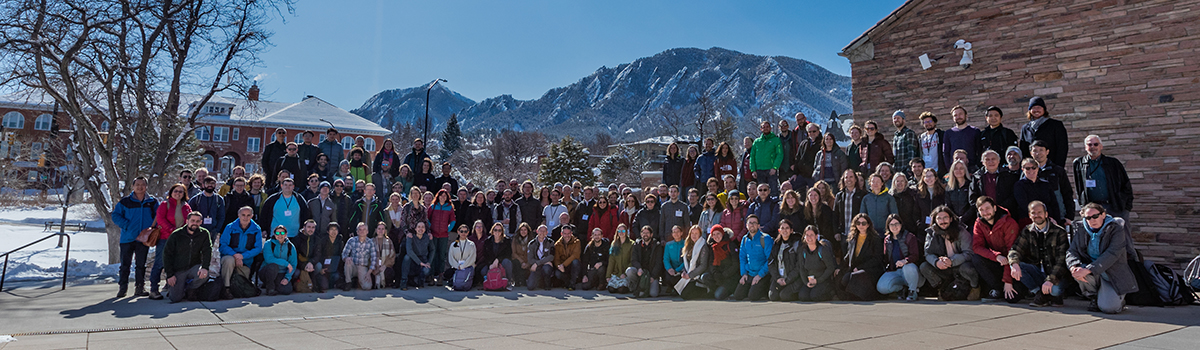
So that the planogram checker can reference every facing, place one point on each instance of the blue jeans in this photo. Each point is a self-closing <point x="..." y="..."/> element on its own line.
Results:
<point x="156" y="270"/>
<point x="765" y="177"/>
<point x="1033" y="277"/>
<point x="406" y="268"/>
<point x="894" y="281"/>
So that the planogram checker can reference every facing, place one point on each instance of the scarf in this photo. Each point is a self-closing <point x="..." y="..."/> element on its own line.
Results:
<point x="1093" y="247"/>
<point x="178" y="215"/>
<point x="720" y="251"/>
<point x="696" y="249"/>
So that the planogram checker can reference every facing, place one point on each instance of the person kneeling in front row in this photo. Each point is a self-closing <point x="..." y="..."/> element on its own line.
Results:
<point x="1097" y="259"/>
<point x="279" y="263"/>
<point x="186" y="257"/>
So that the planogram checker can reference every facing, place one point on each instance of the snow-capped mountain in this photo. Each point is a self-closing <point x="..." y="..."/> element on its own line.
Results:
<point x="627" y="101"/>
<point x="398" y="106"/>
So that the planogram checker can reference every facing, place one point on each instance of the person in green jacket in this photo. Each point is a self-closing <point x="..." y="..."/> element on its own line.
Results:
<point x="765" y="157"/>
<point x="620" y="255"/>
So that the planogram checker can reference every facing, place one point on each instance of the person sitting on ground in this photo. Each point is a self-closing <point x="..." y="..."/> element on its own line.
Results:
<point x="461" y="273"/>
<point x="726" y="268"/>
<point x="858" y="275"/>
<point x="359" y="258"/>
<point x="384" y="274"/>
<point x="566" y="258"/>
<point x="241" y="244"/>
<point x="673" y="259"/>
<point x="754" y="256"/>
<point x="948" y="252"/>
<point x="331" y="250"/>
<point x="1097" y="259"/>
<point x="785" y="264"/>
<point x="1038" y="260"/>
<point x="646" y="265"/>
<point x="902" y="253"/>
<point x="816" y="267"/>
<point x="418" y="257"/>
<point x="697" y="261"/>
<point x="279" y="263"/>
<point x="595" y="261"/>
<point x="540" y="254"/>
<point x="994" y="233"/>
<point x="620" y="254"/>
<point x="186" y="257"/>
<point x="308" y="256"/>
<point x="497" y="253"/>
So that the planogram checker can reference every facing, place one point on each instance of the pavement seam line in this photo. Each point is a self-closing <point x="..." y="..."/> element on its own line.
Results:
<point x="168" y="340"/>
<point x="1034" y="332"/>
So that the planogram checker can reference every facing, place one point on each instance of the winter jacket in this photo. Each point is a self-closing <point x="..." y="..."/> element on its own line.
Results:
<point x="687" y="174"/>
<point x="766" y="153"/>
<point x="735" y="219"/>
<point x="1112" y="259"/>
<point x="267" y="213"/>
<point x="1004" y="183"/>
<point x="791" y="260"/>
<point x="767" y="211"/>
<point x="282" y="254"/>
<point x="925" y="205"/>
<point x="620" y="256"/>
<point x="908" y="245"/>
<point x="673" y="256"/>
<point x="1058" y="176"/>
<point x="839" y="209"/>
<point x="446" y="179"/>
<point x="213" y="209"/>
<point x="184" y="250"/>
<point x="566" y="253"/>
<point x="1051" y="131"/>
<point x="165" y="218"/>
<point x="869" y="258"/>
<point x="493" y="250"/>
<point x="825" y="220"/>
<point x="391" y="157"/>
<point x="991" y="240"/>
<point x="419" y="249"/>
<point x="673" y="214"/>
<point x="414" y="159"/>
<point x="520" y="250"/>
<point x="1120" y="191"/>
<point x="911" y="215"/>
<point x="234" y="201"/>
<point x="997" y="139"/>
<point x="935" y="245"/>
<point x="878" y="207"/>
<point x="309" y="248"/>
<point x="593" y="254"/>
<point x="755" y="254"/>
<point x="441" y="219"/>
<point x="819" y="263"/>
<point x="246" y="241"/>
<point x="344" y="208"/>
<point x="705" y="167"/>
<point x="1047" y="251"/>
<point x="333" y="149"/>
<point x="647" y="256"/>
<point x="806" y="156"/>
<point x="1026" y="191"/>
<point x="606" y="220"/>
<point x="531" y="211"/>
<point x="546" y="249"/>
<point x="672" y="170"/>
<point x="477" y="213"/>
<point x="462" y="254"/>
<point x="647" y="217"/>
<point x="708" y="218"/>
<point x="294" y="165"/>
<point x="873" y="153"/>
<point x="722" y="167"/>
<point x="837" y="163"/>
<point x="703" y="261"/>
<point x="323" y="212"/>
<point x="270" y="161"/>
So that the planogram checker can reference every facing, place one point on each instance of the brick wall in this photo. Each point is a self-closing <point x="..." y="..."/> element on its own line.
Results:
<point x="1128" y="71"/>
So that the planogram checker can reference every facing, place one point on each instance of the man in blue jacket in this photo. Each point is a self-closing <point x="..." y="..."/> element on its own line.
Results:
<point x="134" y="214"/>
<point x="767" y="209"/>
<point x="241" y="243"/>
<point x="755" y="258"/>
<point x="704" y="165"/>
<point x="210" y="205"/>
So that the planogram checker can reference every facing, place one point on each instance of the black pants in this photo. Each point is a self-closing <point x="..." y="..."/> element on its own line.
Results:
<point x="272" y="277"/>
<point x="569" y="277"/>
<point x="540" y="278"/>
<point x="182" y="283"/>
<point x="990" y="273"/>
<point x="790" y="292"/>
<point x="755" y="292"/>
<point x="595" y="278"/>
<point x="694" y="291"/>
<point x="133" y="253"/>
<point x="820" y="292"/>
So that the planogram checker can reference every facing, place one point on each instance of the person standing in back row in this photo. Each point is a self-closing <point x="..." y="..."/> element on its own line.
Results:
<point x="904" y="143"/>
<point x="766" y="155"/>
<point x="1042" y="127"/>
<point x="995" y="136"/>
<point x="962" y="136"/>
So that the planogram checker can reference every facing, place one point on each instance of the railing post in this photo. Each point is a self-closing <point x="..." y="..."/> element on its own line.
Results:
<point x="66" y="259"/>
<point x="5" y="273"/>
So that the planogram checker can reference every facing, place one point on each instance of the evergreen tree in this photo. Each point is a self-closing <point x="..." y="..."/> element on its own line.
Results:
<point x="623" y="165"/>
<point x="566" y="162"/>
<point x="451" y="138"/>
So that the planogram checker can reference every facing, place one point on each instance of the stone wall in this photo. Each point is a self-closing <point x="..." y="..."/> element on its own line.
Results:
<point x="1128" y="71"/>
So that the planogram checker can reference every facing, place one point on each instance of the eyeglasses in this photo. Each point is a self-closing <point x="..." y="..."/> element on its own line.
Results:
<point x="1029" y="167"/>
<point x="291" y="149"/>
<point x="870" y="128"/>
<point x="766" y="190"/>
<point x="1093" y="143"/>
<point x="861" y="223"/>
<point x="1093" y="217"/>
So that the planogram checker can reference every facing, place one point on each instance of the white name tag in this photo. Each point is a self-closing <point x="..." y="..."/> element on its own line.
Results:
<point x="328" y="208"/>
<point x="328" y="261"/>
<point x="928" y="220"/>
<point x="208" y="221"/>
<point x="678" y="213"/>
<point x="585" y="216"/>
<point x="1090" y="183"/>
<point x="287" y="213"/>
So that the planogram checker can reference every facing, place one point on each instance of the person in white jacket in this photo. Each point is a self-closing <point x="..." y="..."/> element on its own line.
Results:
<point x="462" y="261"/>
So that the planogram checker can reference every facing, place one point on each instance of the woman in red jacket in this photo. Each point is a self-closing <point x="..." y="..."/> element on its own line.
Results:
<point x="441" y="221"/>
<point x="726" y="163"/>
<point x="604" y="217"/>
<point x="170" y="215"/>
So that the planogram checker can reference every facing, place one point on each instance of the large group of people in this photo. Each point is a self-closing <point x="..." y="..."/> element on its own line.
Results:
<point x="958" y="214"/>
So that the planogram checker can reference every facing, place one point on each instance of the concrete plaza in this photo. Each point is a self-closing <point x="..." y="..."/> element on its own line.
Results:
<point x="89" y="317"/>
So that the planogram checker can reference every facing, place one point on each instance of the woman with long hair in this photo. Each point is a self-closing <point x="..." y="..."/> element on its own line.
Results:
<point x="629" y="209"/>
<point x="816" y="267"/>
<point x="878" y="203"/>
<point x="930" y="194"/>
<point x="404" y="177"/>
<point x="478" y="210"/>
<point x="958" y="192"/>
<point x="687" y="175"/>
<point x="726" y="269"/>
<point x="620" y="255"/>
<point x="171" y="214"/>
<point x="441" y="222"/>
<point x="497" y="253"/>
<point x="902" y="254"/>
<point x="424" y="178"/>
<point x="906" y="203"/>
<point x="848" y="202"/>
<point x="830" y="160"/>
<point x="818" y="214"/>
<point x="726" y="163"/>
<point x="859" y="272"/>
<point x="791" y="207"/>
<point x="826" y="192"/>
<point x="387" y="152"/>
<point x="697" y="261"/>
<point x="672" y="169"/>
<point x="785" y="264"/>
<point x="520" y="249"/>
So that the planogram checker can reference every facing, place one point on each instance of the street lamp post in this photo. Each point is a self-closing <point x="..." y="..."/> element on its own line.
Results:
<point x="427" y="90"/>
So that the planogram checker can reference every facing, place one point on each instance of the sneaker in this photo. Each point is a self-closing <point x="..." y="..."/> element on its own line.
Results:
<point x="1093" y="306"/>
<point x="1040" y="300"/>
<point x="913" y="296"/>
<point x="992" y="296"/>
<point x="346" y="287"/>
<point x="155" y="296"/>
<point x="141" y="292"/>
<point x="272" y="292"/>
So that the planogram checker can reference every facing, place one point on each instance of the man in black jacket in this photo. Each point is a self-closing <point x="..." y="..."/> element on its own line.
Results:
<point x="414" y="159"/>
<point x="993" y="181"/>
<point x="368" y="210"/>
<point x="1056" y="174"/>
<point x="1102" y="179"/>
<point x="186" y="257"/>
<point x="646" y="265"/>
<point x="271" y="154"/>
<point x="1042" y="127"/>
<point x="995" y="136"/>
<point x="235" y="200"/>
<point x="531" y="207"/>
<point x="291" y="162"/>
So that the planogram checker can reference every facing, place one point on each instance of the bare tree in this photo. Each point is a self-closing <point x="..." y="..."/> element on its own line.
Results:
<point x="600" y="142"/>
<point x="672" y="122"/>
<point x="515" y="154"/>
<point x="128" y="63"/>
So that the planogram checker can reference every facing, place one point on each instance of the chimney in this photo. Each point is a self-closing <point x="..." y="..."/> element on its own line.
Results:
<point x="252" y="95"/>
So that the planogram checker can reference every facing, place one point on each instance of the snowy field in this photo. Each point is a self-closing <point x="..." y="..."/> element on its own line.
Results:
<point x="43" y="261"/>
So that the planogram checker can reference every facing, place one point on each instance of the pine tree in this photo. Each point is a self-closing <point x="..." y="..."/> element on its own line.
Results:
<point x="451" y="138"/>
<point x="623" y="165"/>
<point x="566" y="162"/>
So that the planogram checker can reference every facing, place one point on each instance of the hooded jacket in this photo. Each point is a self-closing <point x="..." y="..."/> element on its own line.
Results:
<point x="991" y="240"/>
<point x="1107" y="257"/>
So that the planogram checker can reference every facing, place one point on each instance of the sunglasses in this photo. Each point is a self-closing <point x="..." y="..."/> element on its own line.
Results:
<point x="870" y="128"/>
<point x="1029" y="168"/>
<point x="187" y="176"/>
<point x="280" y="233"/>
<point x="1093" y="217"/>
<point x="764" y="190"/>
<point x="861" y="223"/>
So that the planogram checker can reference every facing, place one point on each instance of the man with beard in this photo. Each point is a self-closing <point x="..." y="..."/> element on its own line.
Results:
<point x="1042" y="127"/>
<point x="904" y="145"/>
<point x="292" y="162"/>
<point x="344" y="205"/>
<point x="324" y="209"/>
<point x="186" y="257"/>
<point x="285" y="208"/>
<point x="211" y="206"/>
<point x="932" y="142"/>
<point x="234" y="200"/>
<point x="962" y="136"/>
<point x="271" y="154"/>
<point x="418" y="154"/>
<point x="308" y="151"/>
<point x="332" y="147"/>
<point x="995" y="232"/>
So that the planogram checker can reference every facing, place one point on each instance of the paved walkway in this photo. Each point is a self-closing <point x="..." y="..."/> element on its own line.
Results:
<point x="87" y="317"/>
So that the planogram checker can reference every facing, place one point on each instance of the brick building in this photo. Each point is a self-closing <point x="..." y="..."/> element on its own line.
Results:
<point x="1128" y="71"/>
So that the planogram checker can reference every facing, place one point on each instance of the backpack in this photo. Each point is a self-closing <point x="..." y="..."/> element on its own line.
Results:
<point x="1147" y="294"/>
<point x="210" y="291"/>
<point x="955" y="290"/>
<point x="241" y="287"/>
<point x="463" y="279"/>
<point x="1171" y="287"/>
<point x="495" y="280"/>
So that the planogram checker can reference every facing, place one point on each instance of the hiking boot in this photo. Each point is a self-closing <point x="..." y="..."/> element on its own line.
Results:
<point x="1040" y="300"/>
<point x="974" y="295"/>
<point x="913" y="296"/>
<point x="122" y="292"/>
<point x="346" y="286"/>
<point x="1093" y="306"/>
<point x="226" y="294"/>
<point x="1056" y="300"/>
<point x="155" y="296"/>
<point x="141" y="292"/>
<point x="272" y="292"/>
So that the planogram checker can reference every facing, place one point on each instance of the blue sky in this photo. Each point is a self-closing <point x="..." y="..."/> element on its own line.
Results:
<point x="346" y="51"/>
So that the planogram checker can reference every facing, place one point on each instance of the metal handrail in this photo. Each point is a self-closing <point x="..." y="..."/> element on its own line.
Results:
<point x="65" y="258"/>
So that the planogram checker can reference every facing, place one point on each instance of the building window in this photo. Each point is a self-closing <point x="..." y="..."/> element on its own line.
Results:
<point x="300" y="138"/>
<point x="208" y="161"/>
<point x="42" y="122"/>
<point x="104" y="126"/>
<point x="321" y="139"/>
<point x="236" y="133"/>
<point x="347" y="143"/>
<point x="14" y="120"/>
<point x="33" y="176"/>
<point x="369" y="144"/>
<point x="253" y="144"/>
<point x="215" y="110"/>
<point x="35" y="150"/>
<point x="14" y="151"/>
<point x="202" y="133"/>
<point x="220" y="134"/>
<point x="250" y="168"/>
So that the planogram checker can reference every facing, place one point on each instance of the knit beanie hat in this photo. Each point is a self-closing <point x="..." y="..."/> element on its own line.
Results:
<point x="1037" y="101"/>
<point x="1014" y="149"/>
<point x="899" y="112"/>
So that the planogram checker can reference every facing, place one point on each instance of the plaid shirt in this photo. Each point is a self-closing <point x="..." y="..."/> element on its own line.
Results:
<point x="905" y="145"/>
<point x="364" y="253"/>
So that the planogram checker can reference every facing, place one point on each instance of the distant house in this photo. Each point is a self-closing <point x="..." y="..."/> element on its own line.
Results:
<point x="1128" y="71"/>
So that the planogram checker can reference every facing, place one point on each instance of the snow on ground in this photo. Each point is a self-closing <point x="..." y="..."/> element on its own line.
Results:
<point x="43" y="261"/>
<point x="79" y="213"/>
